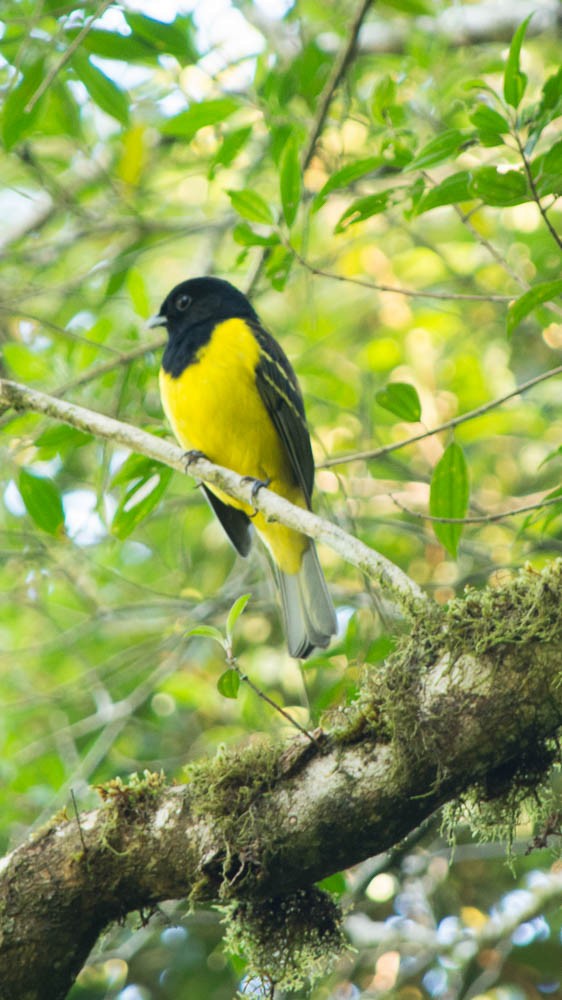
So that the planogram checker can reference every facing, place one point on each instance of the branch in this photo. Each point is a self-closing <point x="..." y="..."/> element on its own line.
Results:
<point x="66" y="56"/>
<point x="477" y="518"/>
<point x="264" y="821"/>
<point x="20" y="397"/>
<point x="372" y="453"/>
<point x="342" y="62"/>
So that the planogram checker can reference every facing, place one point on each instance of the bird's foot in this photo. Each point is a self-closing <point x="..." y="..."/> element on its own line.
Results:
<point x="191" y="456"/>
<point x="257" y="485"/>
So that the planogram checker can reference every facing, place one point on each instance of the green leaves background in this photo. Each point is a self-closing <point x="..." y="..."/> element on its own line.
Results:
<point x="411" y="276"/>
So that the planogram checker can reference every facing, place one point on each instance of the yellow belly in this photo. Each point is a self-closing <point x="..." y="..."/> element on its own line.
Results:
<point x="214" y="406"/>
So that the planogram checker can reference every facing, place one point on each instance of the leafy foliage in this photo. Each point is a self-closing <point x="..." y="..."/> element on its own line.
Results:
<point x="411" y="269"/>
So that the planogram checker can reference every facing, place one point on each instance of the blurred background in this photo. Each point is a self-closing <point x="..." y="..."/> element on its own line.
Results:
<point x="144" y="143"/>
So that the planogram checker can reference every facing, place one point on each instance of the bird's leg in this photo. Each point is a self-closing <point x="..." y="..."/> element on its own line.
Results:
<point x="257" y="485"/>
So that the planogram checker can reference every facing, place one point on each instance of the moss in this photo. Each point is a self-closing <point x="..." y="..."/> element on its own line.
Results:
<point x="226" y="788"/>
<point x="288" y="941"/>
<point x="129" y="801"/>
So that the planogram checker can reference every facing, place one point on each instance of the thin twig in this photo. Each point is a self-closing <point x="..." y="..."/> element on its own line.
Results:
<point x="448" y="425"/>
<point x="476" y="518"/>
<point x="557" y="239"/>
<point x="341" y="64"/>
<point x="77" y="814"/>
<point x="395" y="289"/>
<point x="67" y="54"/>
<point x="273" y="704"/>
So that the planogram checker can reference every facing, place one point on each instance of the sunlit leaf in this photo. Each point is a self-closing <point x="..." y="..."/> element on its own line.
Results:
<point x="235" y="612"/>
<point x="174" y="37"/>
<point x="250" y="205"/>
<point x="103" y="91"/>
<point x="547" y="171"/>
<point x="231" y="145"/>
<point x="247" y="237"/>
<point x="443" y="147"/>
<point x="207" y="632"/>
<point x="60" y="439"/>
<point x="450" y="191"/>
<point x="17" y="120"/>
<point x="499" y="188"/>
<point x="42" y="501"/>
<point x="290" y="181"/>
<point x="363" y="208"/>
<point x="228" y="683"/>
<point x="490" y="124"/>
<point x="346" y="176"/>
<point x="140" y="498"/>
<point x="185" y="124"/>
<point x="402" y="399"/>
<point x="514" y="81"/>
<point x="545" y="292"/>
<point x="448" y="495"/>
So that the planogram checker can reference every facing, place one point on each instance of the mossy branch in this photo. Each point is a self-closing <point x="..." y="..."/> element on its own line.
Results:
<point x="472" y="698"/>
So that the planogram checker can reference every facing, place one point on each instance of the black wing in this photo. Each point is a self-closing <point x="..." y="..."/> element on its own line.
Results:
<point x="278" y="387"/>
<point x="235" y="522"/>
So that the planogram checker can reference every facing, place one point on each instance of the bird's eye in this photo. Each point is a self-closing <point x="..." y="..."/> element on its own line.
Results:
<point x="183" y="302"/>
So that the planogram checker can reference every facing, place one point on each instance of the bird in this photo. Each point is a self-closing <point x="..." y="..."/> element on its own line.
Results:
<point x="230" y="394"/>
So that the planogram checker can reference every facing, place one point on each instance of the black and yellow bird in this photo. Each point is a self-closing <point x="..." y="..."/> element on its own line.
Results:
<point x="229" y="392"/>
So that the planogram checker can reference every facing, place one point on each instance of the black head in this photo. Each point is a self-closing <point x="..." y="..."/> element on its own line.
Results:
<point x="200" y="301"/>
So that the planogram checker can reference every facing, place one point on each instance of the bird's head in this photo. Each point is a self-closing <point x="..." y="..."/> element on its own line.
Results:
<point x="200" y="300"/>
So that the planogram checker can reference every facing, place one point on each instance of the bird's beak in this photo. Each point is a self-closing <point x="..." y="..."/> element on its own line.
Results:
<point x="157" y="320"/>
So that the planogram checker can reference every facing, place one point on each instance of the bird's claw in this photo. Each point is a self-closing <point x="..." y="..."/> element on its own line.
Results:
<point x="257" y="485"/>
<point x="191" y="456"/>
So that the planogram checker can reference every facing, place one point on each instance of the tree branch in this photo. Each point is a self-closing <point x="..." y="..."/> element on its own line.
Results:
<point x="264" y="821"/>
<point x="20" y="397"/>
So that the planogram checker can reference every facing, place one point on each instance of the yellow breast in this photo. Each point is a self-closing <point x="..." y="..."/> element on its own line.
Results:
<point x="214" y="406"/>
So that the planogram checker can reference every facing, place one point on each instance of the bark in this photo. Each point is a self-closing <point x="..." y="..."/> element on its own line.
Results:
<point x="311" y="809"/>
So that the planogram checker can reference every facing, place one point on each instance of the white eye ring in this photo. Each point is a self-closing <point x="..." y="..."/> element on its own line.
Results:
<point x="183" y="302"/>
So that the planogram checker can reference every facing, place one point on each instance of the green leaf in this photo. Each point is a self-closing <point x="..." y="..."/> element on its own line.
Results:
<point x="419" y="7"/>
<point x="42" y="501"/>
<point x="103" y="91"/>
<point x="290" y="181"/>
<point x="114" y="45"/>
<point x="141" y="497"/>
<point x="547" y="171"/>
<point x="401" y="399"/>
<point x="187" y="123"/>
<point x="544" y="292"/>
<point x="60" y="439"/>
<point x="207" y="632"/>
<point x="245" y="236"/>
<point x="490" y="124"/>
<point x="278" y="266"/>
<point x="380" y="648"/>
<point x="363" y="208"/>
<point x="250" y="205"/>
<point x="175" y="37"/>
<point x="448" y="495"/>
<point x="441" y="148"/>
<point x="228" y="683"/>
<point x="346" y="176"/>
<point x="451" y="191"/>
<point x="234" y="614"/>
<point x="16" y="121"/>
<point x="499" y="189"/>
<point x="514" y="81"/>
<point x="384" y="98"/>
<point x="231" y="146"/>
